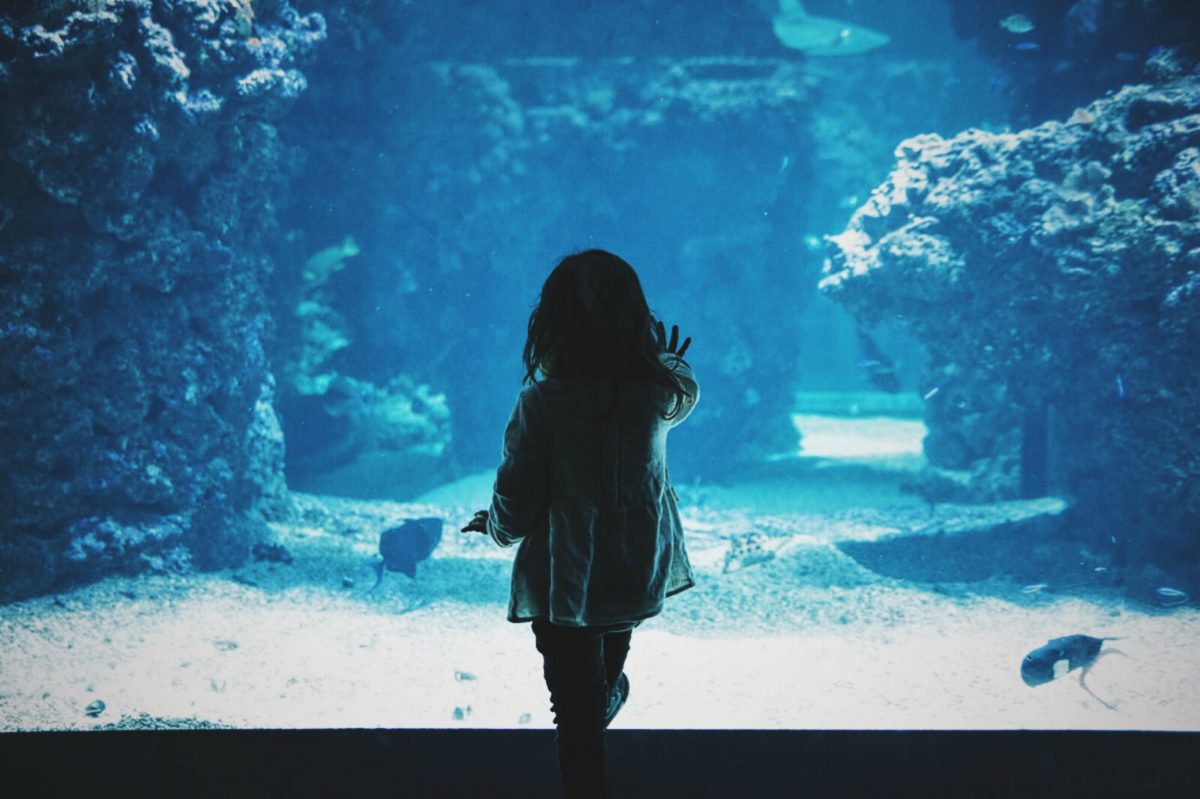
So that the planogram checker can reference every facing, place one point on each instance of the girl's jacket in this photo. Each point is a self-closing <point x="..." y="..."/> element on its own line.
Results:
<point x="583" y="486"/>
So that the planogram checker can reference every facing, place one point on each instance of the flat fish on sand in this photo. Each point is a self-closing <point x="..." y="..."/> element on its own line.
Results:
<point x="405" y="546"/>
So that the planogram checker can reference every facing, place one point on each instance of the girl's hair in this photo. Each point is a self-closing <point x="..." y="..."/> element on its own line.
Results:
<point x="592" y="320"/>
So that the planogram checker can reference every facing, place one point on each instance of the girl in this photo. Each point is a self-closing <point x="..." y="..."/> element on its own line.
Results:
<point x="583" y="486"/>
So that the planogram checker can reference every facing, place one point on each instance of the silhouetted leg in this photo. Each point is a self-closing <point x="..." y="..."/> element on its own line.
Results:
<point x="616" y="648"/>
<point x="574" y="667"/>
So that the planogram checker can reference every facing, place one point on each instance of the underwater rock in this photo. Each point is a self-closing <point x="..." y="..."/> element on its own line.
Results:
<point x="138" y="429"/>
<point x="977" y="543"/>
<point x="1051" y="273"/>
<point x="483" y="193"/>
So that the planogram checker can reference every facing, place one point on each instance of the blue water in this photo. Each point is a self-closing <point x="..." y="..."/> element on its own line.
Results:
<point x="267" y="274"/>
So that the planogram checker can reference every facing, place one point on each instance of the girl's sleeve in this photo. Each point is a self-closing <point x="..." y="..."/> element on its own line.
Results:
<point x="687" y="377"/>
<point x="519" y="494"/>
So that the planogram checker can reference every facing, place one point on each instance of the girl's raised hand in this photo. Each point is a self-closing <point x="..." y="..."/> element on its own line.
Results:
<point x="478" y="524"/>
<point x="669" y="346"/>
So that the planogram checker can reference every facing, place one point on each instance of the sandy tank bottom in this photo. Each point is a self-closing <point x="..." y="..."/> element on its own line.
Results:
<point x="794" y="635"/>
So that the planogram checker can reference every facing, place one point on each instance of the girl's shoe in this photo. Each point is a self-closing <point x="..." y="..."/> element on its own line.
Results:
<point x="617" y="700"/>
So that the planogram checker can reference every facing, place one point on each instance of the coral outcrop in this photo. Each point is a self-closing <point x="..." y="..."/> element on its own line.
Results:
<point x="1054" y="275"/>
<point x="521" y="160"/>
<point x="139" y="164"/>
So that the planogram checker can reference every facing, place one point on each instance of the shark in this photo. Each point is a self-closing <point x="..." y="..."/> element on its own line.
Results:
<point x="822" y="36"/>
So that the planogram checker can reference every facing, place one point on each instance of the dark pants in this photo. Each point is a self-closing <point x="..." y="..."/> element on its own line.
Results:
<point x="581" y="665"/>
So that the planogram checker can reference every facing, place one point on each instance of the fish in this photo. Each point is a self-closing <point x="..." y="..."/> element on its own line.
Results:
<point x="1171" y="596"/>
<point x="1026" y="46"/>
<point x="403" y="547"/>
<point x="822" y="36"/>
<point x="880" y="369"/>
<point x="1082" y="117"/>
<point x="1062" y="655"/>
<point x="1017" y="23"/>
<point x="321" y="265"/>
<point x="243" y="16"/>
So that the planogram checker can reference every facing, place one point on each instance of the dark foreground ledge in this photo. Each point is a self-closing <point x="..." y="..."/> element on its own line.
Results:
<point x="652" y="763"/>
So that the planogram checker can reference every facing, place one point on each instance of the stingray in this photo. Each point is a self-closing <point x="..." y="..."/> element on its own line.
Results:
<point x="822" y="36"/>
<point x="1062" y="655"/>
<point x="405" y="546"/>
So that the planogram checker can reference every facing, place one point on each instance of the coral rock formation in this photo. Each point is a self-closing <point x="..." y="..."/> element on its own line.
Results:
<point x="1054" y="274"/>
<point x="139" y="161"/>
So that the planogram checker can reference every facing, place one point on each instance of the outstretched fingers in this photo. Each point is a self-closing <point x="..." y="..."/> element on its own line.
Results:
<point x="670" y="345"/>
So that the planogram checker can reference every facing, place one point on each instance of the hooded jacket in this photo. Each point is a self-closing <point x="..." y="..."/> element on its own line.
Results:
<point x="583" y="486"/>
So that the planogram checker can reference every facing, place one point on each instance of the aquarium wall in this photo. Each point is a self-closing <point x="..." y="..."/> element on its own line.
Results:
<point x="267" y="265"/>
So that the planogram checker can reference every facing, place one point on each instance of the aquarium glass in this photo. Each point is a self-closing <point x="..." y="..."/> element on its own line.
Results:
<point x="266" y="275"/>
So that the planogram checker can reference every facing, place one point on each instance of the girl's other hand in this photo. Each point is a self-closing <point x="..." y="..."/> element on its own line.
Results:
<point x="478" y="524"/>
<point x="669" y="346"/>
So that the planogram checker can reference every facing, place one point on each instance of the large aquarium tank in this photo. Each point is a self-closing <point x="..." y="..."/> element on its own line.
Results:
<point x="266" y="268"/>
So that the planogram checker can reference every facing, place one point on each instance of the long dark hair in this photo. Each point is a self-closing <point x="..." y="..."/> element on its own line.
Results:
<point x="592" y="320"/>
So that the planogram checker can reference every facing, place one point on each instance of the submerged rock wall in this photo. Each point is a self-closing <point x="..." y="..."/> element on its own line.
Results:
<point x="139" y="166"/>
<point x="463" y="181"/>
<point x="1054" y="275"/>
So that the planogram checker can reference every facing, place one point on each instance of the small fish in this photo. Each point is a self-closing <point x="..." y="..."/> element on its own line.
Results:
<point x="405" y="546"/>
<point x="243" y="16"/>
<point x="1081" y="117"/>
<point x="931" y="393"/>
<point x="1128" y="56"/>
<point x="1171" y="596"/>
<point x="1120" y="388"/>
<point x="1036" y="588"/>
<point x="1026" y="46"/>
<point x="95" y="708"/>
<point x="1061" y="655"/>
<point x="812" y="242"/>
<point x="879" y="368"/>
<point x="787" y="161"/>
<point x="321" y="265"/>
<point x="1017" y="23"/>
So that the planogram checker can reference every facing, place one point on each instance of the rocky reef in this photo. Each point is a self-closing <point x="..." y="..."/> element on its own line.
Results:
<point x="466" y="158"/>
<point x="1054" y="276"/>
<point x="471" y="200"/>
<point x="139" y="169"/>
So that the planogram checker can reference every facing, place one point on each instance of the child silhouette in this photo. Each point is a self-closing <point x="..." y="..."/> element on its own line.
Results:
<point x="583" y="486"/>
